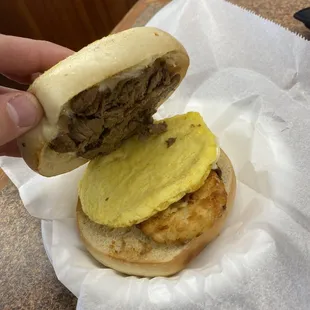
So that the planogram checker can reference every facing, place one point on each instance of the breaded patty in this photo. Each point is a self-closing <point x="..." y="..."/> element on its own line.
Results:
<point x="189" y="217"/>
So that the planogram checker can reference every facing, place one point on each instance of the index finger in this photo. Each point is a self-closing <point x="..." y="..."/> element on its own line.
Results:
<point x="23" y="57"/>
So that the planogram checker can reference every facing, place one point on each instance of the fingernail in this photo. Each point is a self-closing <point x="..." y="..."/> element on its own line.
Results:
<point x="23" y="110"/>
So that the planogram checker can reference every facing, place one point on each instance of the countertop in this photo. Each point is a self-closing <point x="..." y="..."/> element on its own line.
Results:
<point x="27" y="279"/>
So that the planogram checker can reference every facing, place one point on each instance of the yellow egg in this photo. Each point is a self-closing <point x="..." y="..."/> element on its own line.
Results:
<point x="141" y="178"/>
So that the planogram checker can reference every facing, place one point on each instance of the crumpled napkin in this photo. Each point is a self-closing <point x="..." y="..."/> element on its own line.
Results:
<point x="250" y="79"/>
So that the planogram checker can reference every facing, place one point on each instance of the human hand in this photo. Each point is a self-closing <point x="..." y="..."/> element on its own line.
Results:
<point x="22" y="60"/>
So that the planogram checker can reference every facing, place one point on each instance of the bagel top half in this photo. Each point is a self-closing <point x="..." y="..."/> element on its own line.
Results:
<point x="100" y="96"/>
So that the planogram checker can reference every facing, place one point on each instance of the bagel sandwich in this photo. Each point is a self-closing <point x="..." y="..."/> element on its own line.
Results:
<point x="154" y="192"/>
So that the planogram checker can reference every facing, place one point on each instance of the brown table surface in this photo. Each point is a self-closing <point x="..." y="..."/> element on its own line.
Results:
<point x="27" y="279"/>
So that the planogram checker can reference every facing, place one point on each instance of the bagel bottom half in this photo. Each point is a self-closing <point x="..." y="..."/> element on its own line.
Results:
<point x="129" y="251"/>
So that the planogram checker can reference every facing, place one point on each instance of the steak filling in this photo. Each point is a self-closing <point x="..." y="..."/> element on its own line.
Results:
<point x="98" y="120"/>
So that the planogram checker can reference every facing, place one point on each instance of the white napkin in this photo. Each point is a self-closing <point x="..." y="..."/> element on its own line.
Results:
<point x="250" y="79"/>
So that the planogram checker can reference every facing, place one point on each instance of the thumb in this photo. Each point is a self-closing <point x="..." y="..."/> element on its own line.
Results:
<point x="19" y="112"/>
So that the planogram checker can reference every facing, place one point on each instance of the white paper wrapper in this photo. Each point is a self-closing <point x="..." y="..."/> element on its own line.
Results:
<point x="250" y="79"/>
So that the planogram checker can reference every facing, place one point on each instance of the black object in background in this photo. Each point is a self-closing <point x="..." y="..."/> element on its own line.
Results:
<point x="303" y="16"/>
